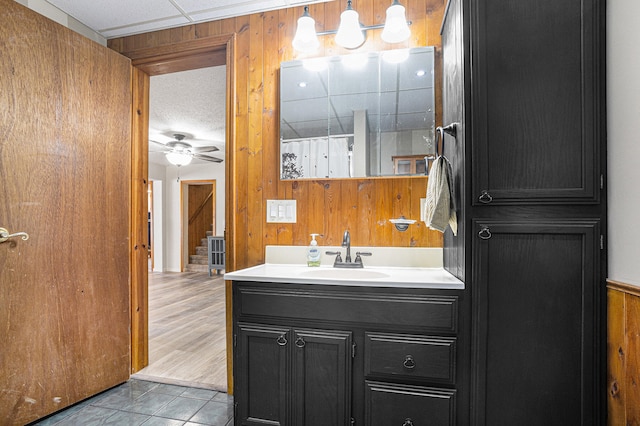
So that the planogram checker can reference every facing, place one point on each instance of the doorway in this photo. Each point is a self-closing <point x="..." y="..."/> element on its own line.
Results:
<point x="211" y="52"/>
<point x="186" y="334"/>
<point x="198" y="223"/>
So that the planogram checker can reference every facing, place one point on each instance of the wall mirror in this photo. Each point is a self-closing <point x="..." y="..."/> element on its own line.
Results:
<point x="357" y="115"/>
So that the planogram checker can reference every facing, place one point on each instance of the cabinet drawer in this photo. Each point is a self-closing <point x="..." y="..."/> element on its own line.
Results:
<point x="384" y="308"/>
<point x="389" y="404"/>
<point x="410" y="356"/>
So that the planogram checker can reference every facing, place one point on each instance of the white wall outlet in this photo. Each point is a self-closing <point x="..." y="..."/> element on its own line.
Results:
<point x="423" y="201"/>
<point x="281" y="211"/>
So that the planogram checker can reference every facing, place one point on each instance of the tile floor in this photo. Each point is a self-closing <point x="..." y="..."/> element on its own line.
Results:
<point x="140" y="402"/>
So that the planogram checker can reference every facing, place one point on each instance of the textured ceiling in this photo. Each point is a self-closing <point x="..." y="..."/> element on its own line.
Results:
<point x="190" y="103"/>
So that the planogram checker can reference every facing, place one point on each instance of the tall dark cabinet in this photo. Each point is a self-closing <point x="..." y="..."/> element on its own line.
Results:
<point x="524" y="83"/>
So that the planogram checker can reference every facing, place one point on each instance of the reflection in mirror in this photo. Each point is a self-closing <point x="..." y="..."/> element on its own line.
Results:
<point x="358" y="115"/>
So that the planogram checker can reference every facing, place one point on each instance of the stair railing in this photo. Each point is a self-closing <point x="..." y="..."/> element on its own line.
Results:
<point x="200" y="207"/>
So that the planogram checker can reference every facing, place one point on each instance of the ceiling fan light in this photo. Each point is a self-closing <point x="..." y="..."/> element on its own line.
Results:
<point x="350" y="35"/>
<point x="306" y="39"/>
<point x="396" y="29"/>
<point x="178" y="158"/>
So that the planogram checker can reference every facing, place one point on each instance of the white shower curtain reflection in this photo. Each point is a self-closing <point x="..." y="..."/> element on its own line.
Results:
<point x="315" y="158"/>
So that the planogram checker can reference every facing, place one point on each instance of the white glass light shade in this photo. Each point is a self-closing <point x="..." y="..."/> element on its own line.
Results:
<point x="349" y="33"/>
<point x="396" y="28"/>
<point x="306" y="39"/>
<point x="178" y="158"/>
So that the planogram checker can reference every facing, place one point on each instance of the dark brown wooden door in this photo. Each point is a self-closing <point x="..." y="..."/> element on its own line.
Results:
<point x="64" y="180"/>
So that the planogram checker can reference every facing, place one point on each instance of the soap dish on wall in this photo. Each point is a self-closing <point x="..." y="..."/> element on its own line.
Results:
<point x="402" y="223"/>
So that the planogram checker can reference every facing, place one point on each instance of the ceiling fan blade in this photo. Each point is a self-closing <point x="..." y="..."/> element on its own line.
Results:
<point x="198" y="149"/>
<point x="154" y="145"/>
<point x="207" y="158"/>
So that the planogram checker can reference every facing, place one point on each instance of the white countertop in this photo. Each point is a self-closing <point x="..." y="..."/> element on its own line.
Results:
<point x="404" y="277"/>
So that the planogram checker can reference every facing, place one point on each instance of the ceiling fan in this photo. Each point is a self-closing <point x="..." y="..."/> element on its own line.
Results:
<point x="181" y="153"/>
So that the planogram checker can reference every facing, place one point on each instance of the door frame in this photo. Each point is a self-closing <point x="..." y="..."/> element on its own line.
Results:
<point x="184" y="218"/>
<point x="182" y="56"/>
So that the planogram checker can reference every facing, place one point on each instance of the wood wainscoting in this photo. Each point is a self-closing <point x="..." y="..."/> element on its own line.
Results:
<point x="623" y="353"/>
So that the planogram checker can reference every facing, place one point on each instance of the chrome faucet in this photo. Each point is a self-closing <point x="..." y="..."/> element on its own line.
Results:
<point x="346" y="243"/>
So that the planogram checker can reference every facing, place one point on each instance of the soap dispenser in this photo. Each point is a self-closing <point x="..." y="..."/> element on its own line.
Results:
<point x="313" y="252"/>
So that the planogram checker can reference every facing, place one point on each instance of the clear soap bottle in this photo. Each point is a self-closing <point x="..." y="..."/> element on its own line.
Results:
<point x="313" y="252"/>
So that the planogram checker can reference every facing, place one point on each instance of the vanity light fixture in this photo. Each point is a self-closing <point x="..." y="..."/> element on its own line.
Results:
<point x="350" y="34"/>
<point x="306" y="39"/>
<point x="395" y="29"/>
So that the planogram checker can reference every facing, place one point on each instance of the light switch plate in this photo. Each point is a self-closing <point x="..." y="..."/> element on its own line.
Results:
<point x="423" y="201"/>
<point x="281" y="211"/>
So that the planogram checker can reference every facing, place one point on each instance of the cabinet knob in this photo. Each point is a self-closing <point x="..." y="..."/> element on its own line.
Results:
<point x="409" y="363"/>
<point x="407" y="422"/>
<point x="485" y="197"/>
<point x="282" y="340"/>
<point x="300" y="342"/>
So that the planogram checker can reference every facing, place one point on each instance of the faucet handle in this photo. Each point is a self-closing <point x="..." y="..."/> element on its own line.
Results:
<point x="361" y="253"/>
<point x="337" y="254"/>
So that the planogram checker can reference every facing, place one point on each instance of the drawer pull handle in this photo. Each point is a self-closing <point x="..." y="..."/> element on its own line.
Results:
<point x="485" y="197"/>
<point x="282" y="340"/>
<point x="484" y="233"/>
<point x="300" y="342"/>
<point x="409" y="363"/>
<point x="407" y="422"/>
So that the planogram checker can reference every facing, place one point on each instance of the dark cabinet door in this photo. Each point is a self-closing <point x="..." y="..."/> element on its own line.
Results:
<point x="322" y="377"/>
<point x="292" y="377"/>
<point x="536" y="317"/>
<point x="535" y="101"/>
<point x="262" y="375"/>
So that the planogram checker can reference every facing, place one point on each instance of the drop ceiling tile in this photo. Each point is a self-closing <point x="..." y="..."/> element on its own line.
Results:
<point x="228" y="10"/>
<point x="191" y="6"/>
<point x="145" y="26"/>
<point x="108" y="14"/>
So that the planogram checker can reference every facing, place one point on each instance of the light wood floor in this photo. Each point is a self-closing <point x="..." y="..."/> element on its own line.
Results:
<point x="187" y="340"/>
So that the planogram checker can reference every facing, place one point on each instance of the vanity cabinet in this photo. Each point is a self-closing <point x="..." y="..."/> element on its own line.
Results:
<point x="309" y="354"/>
<point x="523" y="81"/>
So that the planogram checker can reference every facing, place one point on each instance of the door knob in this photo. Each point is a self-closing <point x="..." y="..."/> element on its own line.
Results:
<point x="5" y="235"/>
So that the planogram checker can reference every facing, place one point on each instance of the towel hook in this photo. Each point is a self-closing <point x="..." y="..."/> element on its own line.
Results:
<point x="450" y="129"/>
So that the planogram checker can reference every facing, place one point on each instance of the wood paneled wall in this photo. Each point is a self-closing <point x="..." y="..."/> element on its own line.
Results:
<point x="328" y="207"/>
<point x="623" y="353"/>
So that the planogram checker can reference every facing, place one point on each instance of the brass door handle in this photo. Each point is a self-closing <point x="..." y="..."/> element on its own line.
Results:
<point x="5" y="235"/>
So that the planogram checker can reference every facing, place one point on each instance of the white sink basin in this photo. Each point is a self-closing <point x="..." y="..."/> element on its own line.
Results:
<point x="344" y="274"/>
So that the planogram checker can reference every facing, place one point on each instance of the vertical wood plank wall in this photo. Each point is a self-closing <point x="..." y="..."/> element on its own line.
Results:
<point x="328" y="207"/>
<point x="139" y="208"/>
<point x="623" y="349"/>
